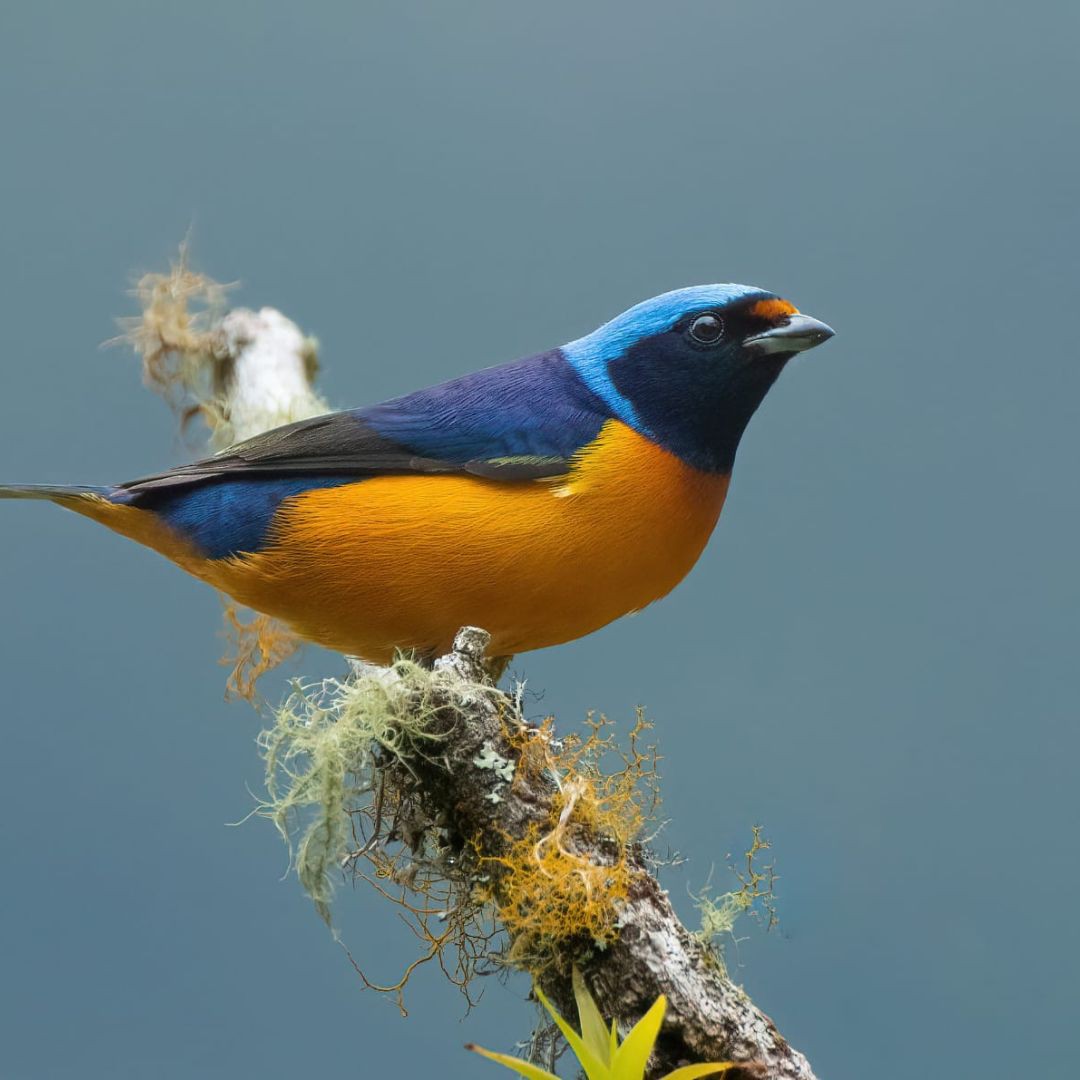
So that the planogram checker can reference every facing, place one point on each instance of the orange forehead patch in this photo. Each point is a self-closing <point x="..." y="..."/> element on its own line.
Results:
<point x="773" y="309"/>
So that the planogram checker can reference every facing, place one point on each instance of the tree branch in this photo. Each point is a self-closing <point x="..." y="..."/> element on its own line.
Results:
<point x="709" y="1018"/>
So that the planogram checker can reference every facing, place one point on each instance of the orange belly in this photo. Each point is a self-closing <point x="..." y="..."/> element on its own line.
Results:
<point x="404" y="561"/>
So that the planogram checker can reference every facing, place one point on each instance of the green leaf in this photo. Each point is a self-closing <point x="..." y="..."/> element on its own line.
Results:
<point x="597" y="1047"/>
<point x="523" y="1068"/>
<point x="593" y="1029"/>
<point x="595" y="1068"/>
<point x="692" y="1072"/>
<point x="632" y="1057"/>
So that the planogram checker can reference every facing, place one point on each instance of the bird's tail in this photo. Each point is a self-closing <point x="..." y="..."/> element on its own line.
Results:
<point x="53" y="493"/>
<point x="57" y="493"/>
<point x="111" y="507"/>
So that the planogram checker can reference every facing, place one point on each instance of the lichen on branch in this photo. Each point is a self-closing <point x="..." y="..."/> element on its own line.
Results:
<point x="349" y="764"/>
<point x="551" y="891"/>
<point x="241" y="372"/>
<point x="326" y="754"/>
<point x="505" y="845"/>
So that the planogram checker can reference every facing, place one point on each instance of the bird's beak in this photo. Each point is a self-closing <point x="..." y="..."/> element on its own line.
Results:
<point x="796" y="333"/>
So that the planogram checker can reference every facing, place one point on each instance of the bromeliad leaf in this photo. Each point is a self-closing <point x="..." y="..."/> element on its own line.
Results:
<point x="632" y="1057"/>
<point x="597" y="1047"/>
<point x="692" y="1072"/>
<point x="523" y="1068"/>
<point x="594" y="1031"/>
<point x="595" y="1068"/>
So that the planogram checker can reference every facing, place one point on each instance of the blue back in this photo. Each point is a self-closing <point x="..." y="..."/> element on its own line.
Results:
<point x="532" y="409"/>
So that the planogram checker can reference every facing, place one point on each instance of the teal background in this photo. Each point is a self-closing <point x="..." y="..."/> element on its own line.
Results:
<point x="876" y="657"/>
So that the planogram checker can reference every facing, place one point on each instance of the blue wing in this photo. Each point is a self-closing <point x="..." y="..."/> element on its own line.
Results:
<point x="533" y="413"/>
<point x="520" y="421"/>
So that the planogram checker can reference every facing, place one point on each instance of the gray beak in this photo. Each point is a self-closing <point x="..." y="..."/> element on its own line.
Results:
<point x="799" y="332"/>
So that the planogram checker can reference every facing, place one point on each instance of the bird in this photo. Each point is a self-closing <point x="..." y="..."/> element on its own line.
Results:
<point x="540" y="499"/>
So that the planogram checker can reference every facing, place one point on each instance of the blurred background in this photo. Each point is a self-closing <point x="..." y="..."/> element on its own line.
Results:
<point x="876" y="656"/>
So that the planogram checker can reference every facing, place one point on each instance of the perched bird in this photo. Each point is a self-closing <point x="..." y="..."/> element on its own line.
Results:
<point x="540" y="499"/>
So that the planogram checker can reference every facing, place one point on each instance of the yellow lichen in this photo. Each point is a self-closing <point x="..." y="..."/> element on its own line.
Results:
<point x="257" y="645"/>
<point x="548" y="893"/>
<point x="569" y="879"/>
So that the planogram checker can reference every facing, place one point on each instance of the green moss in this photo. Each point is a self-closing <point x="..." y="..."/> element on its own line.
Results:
<point x="718" y="918"/>
<point x="321" y="751"/>
<point x="754" y="895"/>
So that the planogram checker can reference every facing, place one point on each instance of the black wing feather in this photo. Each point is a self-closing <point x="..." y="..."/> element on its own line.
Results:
<point x="340" y="444"/>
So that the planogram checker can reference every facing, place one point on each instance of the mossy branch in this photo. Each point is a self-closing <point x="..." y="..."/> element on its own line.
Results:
<point x="526" y="834"/>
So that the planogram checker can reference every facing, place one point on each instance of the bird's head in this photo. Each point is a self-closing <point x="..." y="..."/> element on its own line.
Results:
<point x="688" y="368"/>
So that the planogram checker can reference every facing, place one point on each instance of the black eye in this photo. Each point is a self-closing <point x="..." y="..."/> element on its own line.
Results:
<point x="707" y="329"/>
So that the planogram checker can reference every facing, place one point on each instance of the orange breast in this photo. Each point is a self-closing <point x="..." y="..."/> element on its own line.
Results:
<point x="404" y="561"/>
